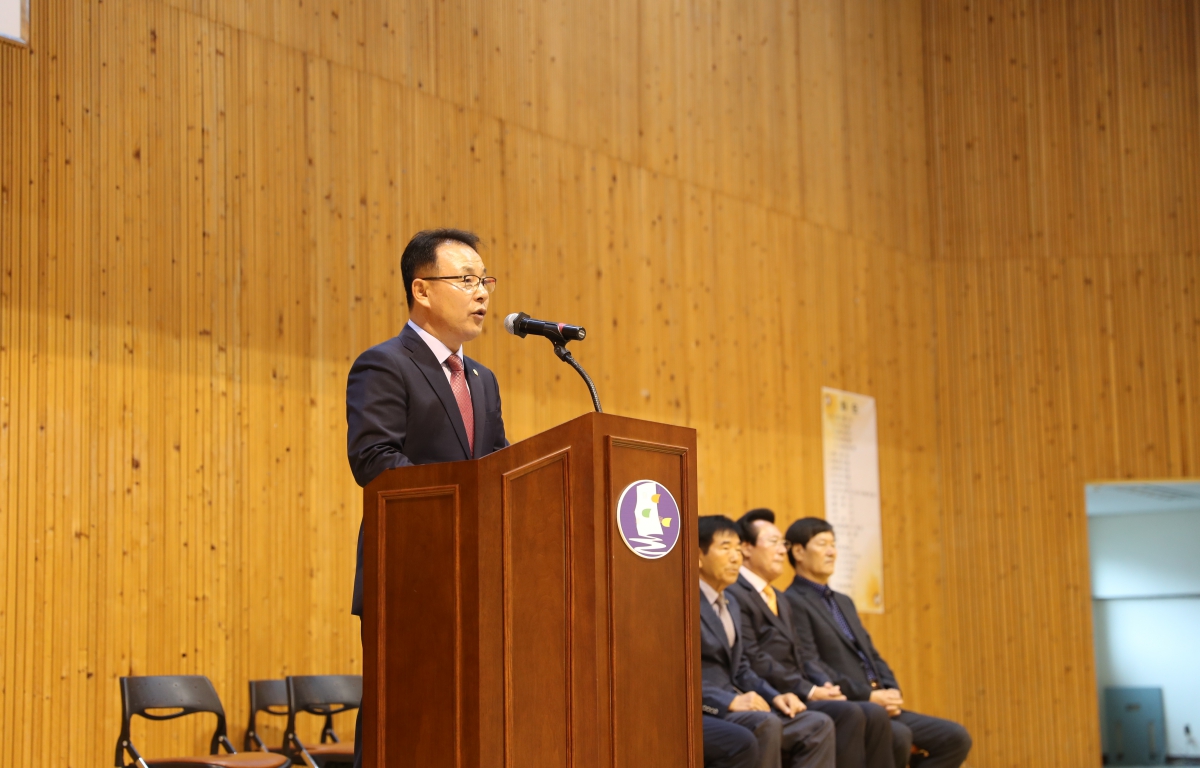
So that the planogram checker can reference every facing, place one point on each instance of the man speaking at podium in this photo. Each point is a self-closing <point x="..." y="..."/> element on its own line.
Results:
<point x="415" y="398"/>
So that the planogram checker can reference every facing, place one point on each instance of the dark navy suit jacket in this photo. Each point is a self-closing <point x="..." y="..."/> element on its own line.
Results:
<point x="770" y="640"/>
<point x="725" y="671"/>
<point x="829" y="655"/>
<point x="401" y="411"/>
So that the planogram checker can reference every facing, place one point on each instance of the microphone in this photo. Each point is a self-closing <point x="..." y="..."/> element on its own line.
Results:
<point x="521" y="324"/>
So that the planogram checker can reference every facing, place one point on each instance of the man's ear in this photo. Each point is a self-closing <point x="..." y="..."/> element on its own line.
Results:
<point x="420" y="290"/>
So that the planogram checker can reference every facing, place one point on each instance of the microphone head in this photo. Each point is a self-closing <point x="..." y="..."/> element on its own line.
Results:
<point x="510" y="323"/>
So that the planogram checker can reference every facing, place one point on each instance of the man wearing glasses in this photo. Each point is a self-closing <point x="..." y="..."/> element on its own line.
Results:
<point x="415" y="398"/>
<point x="864" y="735"/>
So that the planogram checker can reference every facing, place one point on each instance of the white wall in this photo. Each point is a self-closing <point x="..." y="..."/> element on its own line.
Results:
<point x="1141" y="554"/>
<point x="1154" y="643"/>
<point x="1150" y="641"/>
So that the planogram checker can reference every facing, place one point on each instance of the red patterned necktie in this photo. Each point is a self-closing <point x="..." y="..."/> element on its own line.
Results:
<point x="458" y="383"/>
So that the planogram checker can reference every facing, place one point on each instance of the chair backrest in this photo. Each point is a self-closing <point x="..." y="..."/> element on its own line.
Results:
<point x="325" y="695"/>
<point x="268" y="696"/>
<point x="187" y="693"/>
<point x="265" y="694"/>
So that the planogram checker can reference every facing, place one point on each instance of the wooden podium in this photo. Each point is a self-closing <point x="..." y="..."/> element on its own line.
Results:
<point x="508" y="625"/>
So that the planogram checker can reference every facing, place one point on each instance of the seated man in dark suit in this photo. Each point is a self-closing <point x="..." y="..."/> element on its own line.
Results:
<point x="731" y="690"/>
<point x="827" y="627"/>
<point x="728" y="745"/>
<point x="864" y="737"/>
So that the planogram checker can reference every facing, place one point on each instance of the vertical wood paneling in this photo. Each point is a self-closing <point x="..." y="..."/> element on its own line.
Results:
<point x="1064" y="216"/>
<point x="202" y="205"/>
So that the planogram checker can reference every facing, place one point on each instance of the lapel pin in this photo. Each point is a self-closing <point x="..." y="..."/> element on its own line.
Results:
<point x="474" y="371"/>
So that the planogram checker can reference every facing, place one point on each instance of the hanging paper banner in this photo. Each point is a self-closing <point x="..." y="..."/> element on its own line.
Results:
<point x="851" y="446"/>
<point x="14" y="20"/>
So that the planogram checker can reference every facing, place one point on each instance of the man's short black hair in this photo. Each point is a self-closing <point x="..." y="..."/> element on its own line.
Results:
<point x="421" y="252"/>
<point x="801" y="532"/>
<point x="746" y="523"/>
<point x="711" y="525"/>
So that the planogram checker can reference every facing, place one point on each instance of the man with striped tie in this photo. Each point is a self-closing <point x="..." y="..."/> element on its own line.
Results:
<point x="838" y="650"/>
<point x="415" y="398"/>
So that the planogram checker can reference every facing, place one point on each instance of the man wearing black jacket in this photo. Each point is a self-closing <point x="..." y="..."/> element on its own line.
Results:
<point x="864" y="737"/>
<point x="416" y="398"/>
<point x="730" y="689"/>
<point x="828" y="629"/>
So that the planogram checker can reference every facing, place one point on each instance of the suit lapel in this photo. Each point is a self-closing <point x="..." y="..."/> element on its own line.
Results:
<point x="710" y="618"/>
<point x="822" y="610"/>
<point x="785" y="609"/>
<point x="786" y="621"/>
<point x="847" y="611"/>
<point x="735" y="613"/>
<point x="433" y="372"/>
<point x="760" y="604"/>
<point x="475" y="385"/>
<point x="780" y="623"/>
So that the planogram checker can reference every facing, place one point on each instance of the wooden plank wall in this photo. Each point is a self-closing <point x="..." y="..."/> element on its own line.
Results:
<point x="1065" y="220"/>
<point x="202" y="206"/>
<point x="201" y="210"/>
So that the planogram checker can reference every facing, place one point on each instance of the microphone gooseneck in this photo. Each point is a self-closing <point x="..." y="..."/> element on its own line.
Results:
<point x="569" y="359"/>
<point x="521" y="325"/>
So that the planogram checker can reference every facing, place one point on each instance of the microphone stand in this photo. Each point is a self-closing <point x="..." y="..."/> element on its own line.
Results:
<point x="565" y="355"/>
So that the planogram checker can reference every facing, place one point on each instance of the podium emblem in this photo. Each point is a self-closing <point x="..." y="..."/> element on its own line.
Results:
<point x="648" y="519"/>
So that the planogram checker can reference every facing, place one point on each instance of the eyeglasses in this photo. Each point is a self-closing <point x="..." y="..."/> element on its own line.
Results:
<point x="468" y="283"/>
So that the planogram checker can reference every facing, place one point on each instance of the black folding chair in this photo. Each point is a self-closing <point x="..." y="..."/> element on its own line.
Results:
<point x="323" y="695"/>
<point x="189" y="694"/>
<point x="268" y="696"/>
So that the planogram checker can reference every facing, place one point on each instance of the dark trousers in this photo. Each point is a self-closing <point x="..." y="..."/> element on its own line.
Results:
<point x="358" y="719"/>
<point x="940" y="743"/>
<point x="358" y="740"/>
<point x="803" y="741"/>
<point x="728" y="744"/>
<point x="864" y="735"/>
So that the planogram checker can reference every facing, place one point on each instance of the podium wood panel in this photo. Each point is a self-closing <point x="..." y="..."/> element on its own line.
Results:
<point x="637" y="655"/>
<point x="429" y="635"/>
<point x="537" y="631"/>
<point x="507" y="624"/>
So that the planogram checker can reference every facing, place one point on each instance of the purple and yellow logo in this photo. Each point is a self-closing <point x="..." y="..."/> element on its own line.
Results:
<point x="648" y="519"/>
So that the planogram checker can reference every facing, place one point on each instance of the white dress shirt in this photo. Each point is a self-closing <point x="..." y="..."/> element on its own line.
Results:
<point x="758" y="582"/>
<point x="441" y="352"/>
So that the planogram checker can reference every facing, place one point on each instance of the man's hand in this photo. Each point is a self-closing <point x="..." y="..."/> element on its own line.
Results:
<point x="789" y="704"/>
<point x="749" y="702"/>
<point x="890" y="699"/>
<point x="827" y="692"/>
